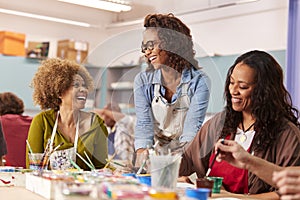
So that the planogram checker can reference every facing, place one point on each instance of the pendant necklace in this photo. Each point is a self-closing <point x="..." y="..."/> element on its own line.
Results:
<point x="243" y="137"/>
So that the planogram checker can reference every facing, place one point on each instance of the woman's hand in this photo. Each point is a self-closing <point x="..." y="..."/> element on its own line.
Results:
<point x="288" y="182"/>
<point x="184" y="179"/>
<point x="142" y="159"/>
<point x="233" y="153"/>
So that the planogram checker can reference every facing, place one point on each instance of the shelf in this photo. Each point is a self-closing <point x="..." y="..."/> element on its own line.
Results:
<point x="36" y="58"/>
<point x="121" y="89"/>
<point x="123" y="67"/>
<point x="127" y="108"/>
<point x="115" y="85"/>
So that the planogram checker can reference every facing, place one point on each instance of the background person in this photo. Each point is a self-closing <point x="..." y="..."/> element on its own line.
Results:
<point x="171" y="95"/>
<point x="61" y="88"/>
<point x="121" y="134"/>
<point x="3" y="149"/>
<point x="15" y="127"/>
<point x="258" y="118"/>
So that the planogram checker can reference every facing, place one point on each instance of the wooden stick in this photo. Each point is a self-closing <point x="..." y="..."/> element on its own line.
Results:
<point x="112" y="157"/>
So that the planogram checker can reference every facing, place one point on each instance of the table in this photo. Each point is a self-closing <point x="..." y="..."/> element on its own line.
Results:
<point x="16" y="193"/>
<point x="225" y="194"/>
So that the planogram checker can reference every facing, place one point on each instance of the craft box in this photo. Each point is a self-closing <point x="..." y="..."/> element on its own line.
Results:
<point x="73" y="50"/>
<point x="12" y="179"/>
<point x="40" y="185"/>
<point x="12" y="43"/>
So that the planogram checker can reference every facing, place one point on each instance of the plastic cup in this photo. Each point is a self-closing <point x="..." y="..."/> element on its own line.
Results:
<point x="199" y="194"/>
<point x="144" y="179"/>
<point x="217" y="183"/>
<point x="35" y="160"/>
<point x="129" y="174"/>
<point x="205" y="183"/>
<point x="164" y="170"/>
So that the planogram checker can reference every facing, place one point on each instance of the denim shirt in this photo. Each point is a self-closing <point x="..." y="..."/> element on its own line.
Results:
<point x="198" y="92"/>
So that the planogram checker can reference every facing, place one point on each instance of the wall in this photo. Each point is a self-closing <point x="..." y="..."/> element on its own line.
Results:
<point x="229" y="30"/>
<point x="16" y="74"/>
<point x="224" y="31"/>
<point x="39" y="30"/>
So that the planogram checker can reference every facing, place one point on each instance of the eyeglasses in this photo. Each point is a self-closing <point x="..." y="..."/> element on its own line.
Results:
<point x="149" y="45"/>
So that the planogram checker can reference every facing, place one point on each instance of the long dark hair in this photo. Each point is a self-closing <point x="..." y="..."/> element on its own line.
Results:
<point x="175" y="39"/>
<point x="271" y="103"/>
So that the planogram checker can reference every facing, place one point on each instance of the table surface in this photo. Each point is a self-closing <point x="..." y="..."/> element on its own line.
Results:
<point x="16" y="193"/>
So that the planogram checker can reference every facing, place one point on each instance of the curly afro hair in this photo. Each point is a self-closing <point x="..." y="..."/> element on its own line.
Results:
<point x="53" y="78"/>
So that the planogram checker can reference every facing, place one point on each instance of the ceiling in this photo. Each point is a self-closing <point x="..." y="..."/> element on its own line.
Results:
<point x="140" y="8"/>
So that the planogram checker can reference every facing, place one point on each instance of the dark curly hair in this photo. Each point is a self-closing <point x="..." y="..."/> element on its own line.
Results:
<point x="53" y="78"/>
<point x="10" y="104"/>
<point x="271" y="103"/>
<point x="175" y="39"/>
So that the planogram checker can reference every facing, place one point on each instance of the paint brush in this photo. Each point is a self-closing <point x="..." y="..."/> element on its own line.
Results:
<point x="142" y="166"/>
<point x="62" y="143"/>
<point x="29" y="147"/>
<point x="116" y="163"/>
<point x="47" y="154"/>
<point x="43" y="162"/>
<point x="87" y="156"/>
<point x="86" y="162"/>
<point x="213" y="161"/>
<point x="74" y="164"/>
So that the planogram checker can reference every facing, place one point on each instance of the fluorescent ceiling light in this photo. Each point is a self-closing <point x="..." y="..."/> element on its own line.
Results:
<point x="42" y="17"/>
<point x="115" y="6"/>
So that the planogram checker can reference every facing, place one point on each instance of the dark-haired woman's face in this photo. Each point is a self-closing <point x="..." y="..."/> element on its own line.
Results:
<point x="150" y="45"/>
<point x="241" y="87"/>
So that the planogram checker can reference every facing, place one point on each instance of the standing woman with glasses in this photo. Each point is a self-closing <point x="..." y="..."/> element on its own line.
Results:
<point x="171" y="95"/>
<point x="61" y="89"/>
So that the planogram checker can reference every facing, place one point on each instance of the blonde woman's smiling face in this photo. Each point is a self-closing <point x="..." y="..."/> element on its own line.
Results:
<point x="241" y="87"/>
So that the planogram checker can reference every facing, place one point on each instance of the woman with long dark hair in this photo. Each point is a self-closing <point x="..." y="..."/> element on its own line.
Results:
<point x="259" y="125"/>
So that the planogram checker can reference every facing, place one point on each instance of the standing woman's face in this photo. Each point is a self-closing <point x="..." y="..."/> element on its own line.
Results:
<point x="75" y="97"/>
<point x="150" y="48"/>
<point x="241" y="87"/>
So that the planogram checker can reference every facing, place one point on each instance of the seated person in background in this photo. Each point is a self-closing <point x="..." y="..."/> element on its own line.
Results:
<point x="259" y="121"/>
<point x="15" y="128"/>
<point x="288" y="182"/>
<point x="3" y="149"/>
<point x="121" y="134"/>
<point x="61" y="88"/>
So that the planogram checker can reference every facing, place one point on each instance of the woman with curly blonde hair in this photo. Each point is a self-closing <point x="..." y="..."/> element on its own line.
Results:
<point x="61" y="88"/>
